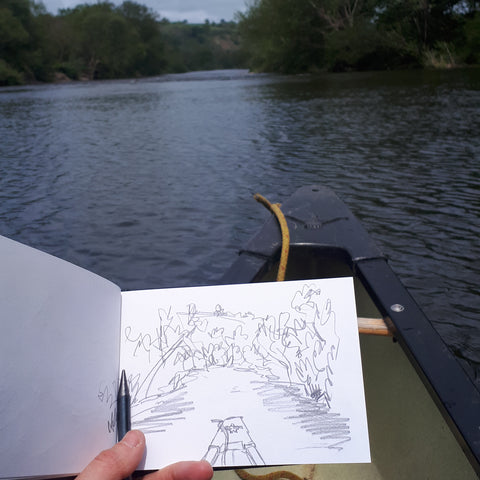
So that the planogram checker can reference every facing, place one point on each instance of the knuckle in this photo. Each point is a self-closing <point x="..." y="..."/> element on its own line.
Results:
<point x="108" y="459"/>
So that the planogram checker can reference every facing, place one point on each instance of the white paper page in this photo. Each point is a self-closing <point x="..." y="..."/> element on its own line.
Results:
<point x="59" y="353"/>
<point x="257" y="374"/>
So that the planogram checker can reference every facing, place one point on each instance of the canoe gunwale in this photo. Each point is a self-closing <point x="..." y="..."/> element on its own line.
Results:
<point x="319" y="222"/>
<point x="453" y="392"/>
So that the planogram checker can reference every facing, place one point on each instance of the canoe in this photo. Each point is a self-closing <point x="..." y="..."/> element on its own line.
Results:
<point x="423" y="410"/>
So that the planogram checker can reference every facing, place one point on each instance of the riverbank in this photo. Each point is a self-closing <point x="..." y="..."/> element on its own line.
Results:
<point x="61" y="79"/>
<point x="104" y="41"/>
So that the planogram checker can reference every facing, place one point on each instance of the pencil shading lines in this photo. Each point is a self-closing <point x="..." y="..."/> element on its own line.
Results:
<point x="331" y="429"/>
<point x="157" y="413"/>
<point x="291" y="354"/>
<point x="232" y="444"/>
<point x="112" y="421"/>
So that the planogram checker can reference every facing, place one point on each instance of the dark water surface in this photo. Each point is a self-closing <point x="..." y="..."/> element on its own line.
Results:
<point x="150" y="183"/>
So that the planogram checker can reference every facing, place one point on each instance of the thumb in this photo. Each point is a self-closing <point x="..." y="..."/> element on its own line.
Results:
<point x="200" y="470"/>
<point x="117" y="462"/>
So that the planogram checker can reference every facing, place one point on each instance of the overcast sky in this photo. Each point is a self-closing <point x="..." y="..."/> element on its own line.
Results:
<point x="194" y="11"/>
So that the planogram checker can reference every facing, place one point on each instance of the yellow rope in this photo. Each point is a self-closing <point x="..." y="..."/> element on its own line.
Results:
<point x="275" y="209"/>
<point x="282" y="268"/>
<point x="244" y="475"/>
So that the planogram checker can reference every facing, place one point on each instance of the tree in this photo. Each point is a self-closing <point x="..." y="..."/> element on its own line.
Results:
<point x="105" y="42"/>
<point x="282" y="35"/>
<point x="294" y="36"/>
<point x="420" y="25"/>
<point x="341" y="14"/>
<point x="23" y="43"/>
<point x="472" y="38"/>
<point x="352" y="39"/>
<point x="147" y="25"/>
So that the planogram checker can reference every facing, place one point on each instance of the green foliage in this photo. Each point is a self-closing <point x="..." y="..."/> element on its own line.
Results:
<point x="101" y="41"/>
<point x="205" y="46"/>
<point x="15" y="40"/>
<point x="302" y="35"/>
<point x="472" y="39"/>
<point x="441" y="56"/>
<point x="12" y="31"/>
<point x="149" y="57"/>
<point x="8" y="75"/>
<point x="23" y="40"/>
<point x="282" y="35"/>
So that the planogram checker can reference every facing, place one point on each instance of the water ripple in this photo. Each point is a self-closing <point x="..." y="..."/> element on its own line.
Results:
<point x="149" y="183"/>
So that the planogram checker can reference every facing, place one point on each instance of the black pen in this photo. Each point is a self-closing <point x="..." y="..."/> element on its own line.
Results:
<point x="123" y="407"/>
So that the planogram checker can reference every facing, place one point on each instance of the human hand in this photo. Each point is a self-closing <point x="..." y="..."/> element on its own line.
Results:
<point x="121" y="460"/>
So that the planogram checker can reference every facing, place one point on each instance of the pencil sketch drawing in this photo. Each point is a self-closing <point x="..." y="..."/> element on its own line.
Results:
<point x="107" y="396"/>
<point x="232" y="445"/>
<point x="287" y="358"/>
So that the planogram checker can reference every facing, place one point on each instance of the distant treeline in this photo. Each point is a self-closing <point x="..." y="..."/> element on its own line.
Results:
<point x="294" y="36"/>
<point x="103" y="41"/>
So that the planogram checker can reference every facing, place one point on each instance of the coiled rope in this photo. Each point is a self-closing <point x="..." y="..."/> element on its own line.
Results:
<point x="275" y="209"/>
<point x="244" y="475"/>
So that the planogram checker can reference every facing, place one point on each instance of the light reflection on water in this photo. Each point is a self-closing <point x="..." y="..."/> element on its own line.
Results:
<point x="150" y="183"/>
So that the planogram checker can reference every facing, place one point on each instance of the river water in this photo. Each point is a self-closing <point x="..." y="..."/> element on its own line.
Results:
<point x="149" y="183"/>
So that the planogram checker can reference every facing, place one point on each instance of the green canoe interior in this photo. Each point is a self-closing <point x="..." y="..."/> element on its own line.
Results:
<point x="409" y="439"/>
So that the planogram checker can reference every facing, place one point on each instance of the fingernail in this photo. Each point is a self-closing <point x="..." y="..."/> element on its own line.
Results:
<point x="133" y="438"/>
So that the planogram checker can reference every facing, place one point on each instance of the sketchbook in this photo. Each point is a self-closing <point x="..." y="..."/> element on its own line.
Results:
<point x="240" y="375"/>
